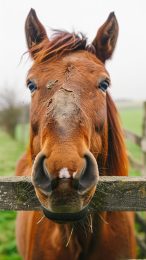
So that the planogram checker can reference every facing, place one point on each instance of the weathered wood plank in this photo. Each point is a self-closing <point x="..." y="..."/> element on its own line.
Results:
<point x="136" y="139"/>
<point x="17" y="193"/>
<point x="112" y="193"/>
<point x="121" y="193"/>
<point x="143" y="145"/>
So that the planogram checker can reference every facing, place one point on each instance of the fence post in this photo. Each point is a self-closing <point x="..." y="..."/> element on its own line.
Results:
<point x="143" y="143"/>
<point x="143" y="146"/>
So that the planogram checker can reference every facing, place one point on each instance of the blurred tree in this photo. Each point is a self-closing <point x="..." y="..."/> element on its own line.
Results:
<point x="10" y="112"/>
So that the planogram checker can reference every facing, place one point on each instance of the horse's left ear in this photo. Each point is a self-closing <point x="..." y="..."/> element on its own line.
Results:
<point x="34" y="30"/>
<point x="106" y="38"/>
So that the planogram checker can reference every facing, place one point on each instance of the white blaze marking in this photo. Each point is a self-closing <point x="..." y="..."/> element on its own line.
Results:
<point x="64" y="173"/>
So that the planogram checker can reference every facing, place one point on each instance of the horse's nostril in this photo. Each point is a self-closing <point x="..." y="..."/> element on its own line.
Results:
<point x="54" y="183"/>
<point x="40" y="175"/>
<point x="81" y="182"/>
<point x="89" y="176"/>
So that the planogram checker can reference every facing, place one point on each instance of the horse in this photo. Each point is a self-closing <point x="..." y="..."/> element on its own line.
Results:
<point x="75" y="137"/>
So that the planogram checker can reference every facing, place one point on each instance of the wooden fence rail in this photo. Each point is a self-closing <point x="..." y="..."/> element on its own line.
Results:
<point x="141" y="142"/>
<point x="141" y="167"/>
<point x="112" y="194"/>
<point x="134" y="138"/>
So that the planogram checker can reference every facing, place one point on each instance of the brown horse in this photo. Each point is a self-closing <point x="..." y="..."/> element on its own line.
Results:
<point x="75" y="136"/>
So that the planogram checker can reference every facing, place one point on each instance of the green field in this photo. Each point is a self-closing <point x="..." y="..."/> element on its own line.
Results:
<point x="10" y="152"/>
<point x="131" y="119"/>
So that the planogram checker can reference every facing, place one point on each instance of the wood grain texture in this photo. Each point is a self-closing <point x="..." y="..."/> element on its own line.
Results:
<point x="112" y="194"/>
<point x="141" y="142"/>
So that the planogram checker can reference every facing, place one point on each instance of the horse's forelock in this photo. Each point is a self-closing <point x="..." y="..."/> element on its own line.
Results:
<point x="61" y="43"/>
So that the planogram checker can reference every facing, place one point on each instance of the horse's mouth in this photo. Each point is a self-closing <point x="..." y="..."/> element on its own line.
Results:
<point x="65" y="217"/>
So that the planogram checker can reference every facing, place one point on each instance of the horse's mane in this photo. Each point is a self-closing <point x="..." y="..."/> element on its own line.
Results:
<point x="61" y="43"/>
<point x="117" y="162"/>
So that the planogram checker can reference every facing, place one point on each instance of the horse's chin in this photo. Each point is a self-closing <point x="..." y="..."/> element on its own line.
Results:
<point x="63" y="218"/>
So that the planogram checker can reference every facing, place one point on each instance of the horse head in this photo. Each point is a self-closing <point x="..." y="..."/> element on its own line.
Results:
<point x="72" y="141"/>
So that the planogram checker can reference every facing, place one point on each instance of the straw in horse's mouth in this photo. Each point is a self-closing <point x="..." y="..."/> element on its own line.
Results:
<point x="65" y="217"/>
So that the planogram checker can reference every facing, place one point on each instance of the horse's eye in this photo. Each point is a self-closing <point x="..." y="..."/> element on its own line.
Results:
<point x="103" y="85"/>
<point x="32" y="86"/>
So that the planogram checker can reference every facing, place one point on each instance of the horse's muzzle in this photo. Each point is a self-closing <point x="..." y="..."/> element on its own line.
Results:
<point x="65" y="199"/>
<point x="81" y="182"/>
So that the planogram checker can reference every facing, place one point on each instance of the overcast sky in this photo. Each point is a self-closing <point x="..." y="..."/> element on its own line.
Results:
<point x="128" y="65"/>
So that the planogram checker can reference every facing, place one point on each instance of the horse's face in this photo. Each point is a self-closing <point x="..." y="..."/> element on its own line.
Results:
<point x="68" y="119"/>
<point x="69" y="113"/>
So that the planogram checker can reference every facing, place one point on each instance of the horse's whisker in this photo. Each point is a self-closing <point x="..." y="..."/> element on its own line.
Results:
<point x="91" y="223"/>
<point x="40" y="220"/>
<point x="69" y="237"/>
<point x="101" y="217"/>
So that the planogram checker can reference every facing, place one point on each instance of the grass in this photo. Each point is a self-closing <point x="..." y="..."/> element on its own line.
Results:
<point x="10" y="151"/>
<point x="132" y="120"/>
<point x="7" y="236"/>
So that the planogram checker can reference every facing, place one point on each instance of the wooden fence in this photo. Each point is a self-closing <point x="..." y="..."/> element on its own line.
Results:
<point x="141" y="142"/>
<point x="141" y="167"/>
<point x="112" y="194"/>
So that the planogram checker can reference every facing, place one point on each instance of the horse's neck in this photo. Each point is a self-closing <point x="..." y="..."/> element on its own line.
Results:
<point x="85" y="236"/>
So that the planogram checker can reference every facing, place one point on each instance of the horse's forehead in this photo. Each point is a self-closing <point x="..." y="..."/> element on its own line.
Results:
<point x="69" y="64"/>
<point x="83" y="59"/>
<point x="77" y="71"/>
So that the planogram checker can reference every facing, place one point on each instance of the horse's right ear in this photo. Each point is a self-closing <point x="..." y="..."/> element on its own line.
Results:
<point x="34" y="30"/>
